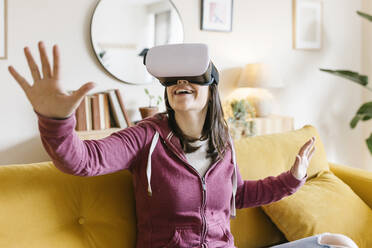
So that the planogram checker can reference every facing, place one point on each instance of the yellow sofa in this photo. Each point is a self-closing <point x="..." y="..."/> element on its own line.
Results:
<point x="42" y="207"/>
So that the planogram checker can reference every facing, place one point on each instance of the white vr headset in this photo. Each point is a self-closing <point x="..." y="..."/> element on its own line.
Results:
<point x="186" y="61"/>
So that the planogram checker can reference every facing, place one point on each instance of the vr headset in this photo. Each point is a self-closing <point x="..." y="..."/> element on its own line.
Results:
<point x="186" y="61"/>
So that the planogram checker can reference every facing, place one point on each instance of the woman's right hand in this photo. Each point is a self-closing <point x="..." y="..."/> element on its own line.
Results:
<point x="46" y="94"/>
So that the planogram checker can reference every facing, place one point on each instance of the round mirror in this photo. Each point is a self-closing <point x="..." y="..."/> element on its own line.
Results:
<point x="123" y="30"/>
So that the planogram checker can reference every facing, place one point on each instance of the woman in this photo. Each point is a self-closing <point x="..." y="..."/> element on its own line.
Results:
<point x="184" y="194"/>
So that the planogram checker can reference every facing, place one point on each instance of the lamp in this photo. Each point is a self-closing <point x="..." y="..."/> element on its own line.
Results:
<point x="256" y="79"/>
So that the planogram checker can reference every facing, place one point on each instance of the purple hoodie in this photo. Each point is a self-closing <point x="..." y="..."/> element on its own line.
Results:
<point x="175" y="206"/>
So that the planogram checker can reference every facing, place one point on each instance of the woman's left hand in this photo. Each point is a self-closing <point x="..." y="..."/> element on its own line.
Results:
<point x="303" y="158"/>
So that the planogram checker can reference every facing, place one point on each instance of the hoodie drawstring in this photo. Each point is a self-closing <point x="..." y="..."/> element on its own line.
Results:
<point x="234" y="178"/>
<point x="234" y="181"/>
<point x="148" y="169"/>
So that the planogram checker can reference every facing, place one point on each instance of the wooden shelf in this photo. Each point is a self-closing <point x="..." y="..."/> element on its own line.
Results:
<point x="264" y="125"/>
<point x="273" y="124"/>
<point x="96" y="134"/>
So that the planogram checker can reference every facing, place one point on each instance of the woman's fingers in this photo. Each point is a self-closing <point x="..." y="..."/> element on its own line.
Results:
<point x="21" y="81"/>
<point x="83" y="90"/>
<point x="310" y="147"/>
<point x="307" y="149"/>
<point x="47" y="72"/>
<point x="56" y="62"/>
<point x="298" y="160"/>
<point x="306" y="146"/>
<point x="32" y="65"/>
<point x="303" y="159"/>
<point x="311" y="153"/>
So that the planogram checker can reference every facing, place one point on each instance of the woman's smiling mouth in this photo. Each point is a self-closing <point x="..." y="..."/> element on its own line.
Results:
<point x="182" y="92"/>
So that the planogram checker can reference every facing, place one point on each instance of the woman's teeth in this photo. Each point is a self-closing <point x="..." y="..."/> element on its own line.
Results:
<point x="179" y="92"/>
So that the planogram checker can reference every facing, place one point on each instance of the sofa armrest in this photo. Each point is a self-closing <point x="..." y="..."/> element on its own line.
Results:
<point x="360" y="181"/>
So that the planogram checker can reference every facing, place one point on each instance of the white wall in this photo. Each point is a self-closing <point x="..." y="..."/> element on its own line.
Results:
<point x="262" y="31"/>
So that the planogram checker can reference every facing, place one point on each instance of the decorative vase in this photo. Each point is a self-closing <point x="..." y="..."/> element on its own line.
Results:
<point x="148" y="111"/>
<point x="263" y="106"/>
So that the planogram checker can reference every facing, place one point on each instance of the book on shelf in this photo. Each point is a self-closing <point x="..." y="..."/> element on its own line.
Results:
<point x="102" y="110"/>
<point x="118" y="114"/>
<point x="81" y="123"/>
<point x="83" y="114"/>
<point x="88" y="110"/>
<point x="106" y="111"/>
<point x="96" y="123"/>
<point x="123" y="109"/>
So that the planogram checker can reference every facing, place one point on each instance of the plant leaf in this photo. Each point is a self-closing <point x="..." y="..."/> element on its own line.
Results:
<point x="354" y="121"/>
<point x="364" y="113"/>
<point x="366" y="109"/>
<point x="369" y="143"/>
<point x="351" y="75"/>
<point x="364" y="15"/>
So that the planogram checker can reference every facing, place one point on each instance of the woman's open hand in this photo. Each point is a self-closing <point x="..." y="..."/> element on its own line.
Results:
<point x="303" y="158"/>
<point x="46" y="94"/>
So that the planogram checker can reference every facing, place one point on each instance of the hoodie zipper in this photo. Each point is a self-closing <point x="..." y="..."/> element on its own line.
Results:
<point x="204" y="226"/>
<point x="204" y="189"/>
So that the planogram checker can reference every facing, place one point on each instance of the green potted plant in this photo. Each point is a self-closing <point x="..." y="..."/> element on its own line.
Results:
<point x="239" y="118"/>
<point x="150" y="110"/>
<point x="364" y="113"/>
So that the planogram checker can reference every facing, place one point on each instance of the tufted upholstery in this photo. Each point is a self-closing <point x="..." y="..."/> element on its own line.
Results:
<point x="43" y="207"/>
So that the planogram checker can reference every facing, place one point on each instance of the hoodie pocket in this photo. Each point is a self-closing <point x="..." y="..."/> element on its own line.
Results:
<point x="218" y="236"/>
<point x="174" y="241"/>
<point x="184" y="237"/>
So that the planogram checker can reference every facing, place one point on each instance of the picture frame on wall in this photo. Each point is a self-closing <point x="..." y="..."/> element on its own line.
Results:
<point x="3" y="29"/>
<point x="307" y="24"/>
<point x="216" y="15"/>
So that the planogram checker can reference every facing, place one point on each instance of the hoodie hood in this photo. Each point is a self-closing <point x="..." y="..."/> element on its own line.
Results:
<point x="159" y="122"/>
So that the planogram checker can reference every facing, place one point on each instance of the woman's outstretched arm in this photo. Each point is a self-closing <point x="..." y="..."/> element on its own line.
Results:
<point x="253" y="193"/>
<point x="89" y="157"/>
<point x="56" y="108"/>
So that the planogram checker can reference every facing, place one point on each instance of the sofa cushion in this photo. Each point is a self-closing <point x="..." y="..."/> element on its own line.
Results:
<point x="323" y="204"/>
<point x="271" y="154"/>
<point x="253" y="228"/>
<point x="44" y="207"/>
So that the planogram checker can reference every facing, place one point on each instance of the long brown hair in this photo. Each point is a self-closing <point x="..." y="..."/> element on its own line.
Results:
<point x="215" y="127"/>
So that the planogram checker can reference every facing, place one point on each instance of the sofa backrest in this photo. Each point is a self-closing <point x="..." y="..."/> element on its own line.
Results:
<point x="43" y="207"/>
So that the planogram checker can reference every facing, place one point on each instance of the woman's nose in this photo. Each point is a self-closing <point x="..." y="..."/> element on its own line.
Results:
<point x="182" y="81"/>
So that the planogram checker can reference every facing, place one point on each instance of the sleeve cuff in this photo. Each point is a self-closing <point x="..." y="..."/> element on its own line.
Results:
<point x="291" y="181"/>
<point x="54" y="126"/>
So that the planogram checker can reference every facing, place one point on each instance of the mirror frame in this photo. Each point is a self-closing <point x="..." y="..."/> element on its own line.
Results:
<point x="97" y="57"/>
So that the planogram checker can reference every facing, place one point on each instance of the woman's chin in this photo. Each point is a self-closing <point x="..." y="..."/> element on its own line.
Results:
<point x="181" y="105"/>
<point x="182" y="109"/>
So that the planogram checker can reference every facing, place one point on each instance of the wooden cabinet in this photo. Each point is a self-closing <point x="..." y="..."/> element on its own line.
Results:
<point x="273" y="124"/>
